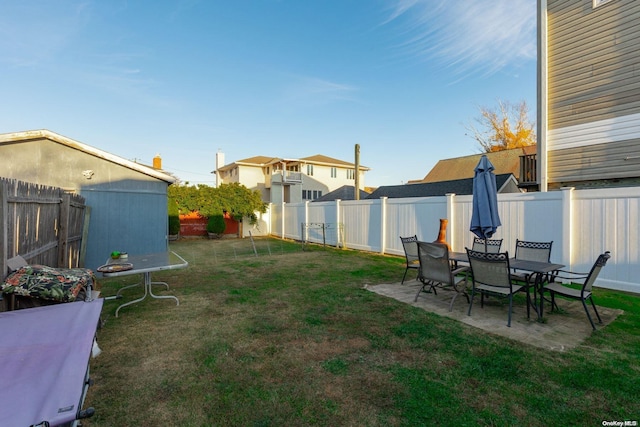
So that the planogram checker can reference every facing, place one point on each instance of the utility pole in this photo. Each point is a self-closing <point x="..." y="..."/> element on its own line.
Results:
<point x="356" y="194"/>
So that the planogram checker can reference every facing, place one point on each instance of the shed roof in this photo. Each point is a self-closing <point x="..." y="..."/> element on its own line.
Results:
<point x="11" y="138"/>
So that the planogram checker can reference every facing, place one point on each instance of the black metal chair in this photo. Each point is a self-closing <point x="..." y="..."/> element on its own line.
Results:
<point x="492" y="276"/>
<point x="584" y="293"/>
<point x="531" y="251"/>
<point x="410" y="245"/>
<point x="435" y="271"/>
<point x="490" y="245"/>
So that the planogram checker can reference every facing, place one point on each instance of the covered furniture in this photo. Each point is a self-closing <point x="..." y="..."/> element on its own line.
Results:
<point x="410" y="245"/>
<point x="44" y="368"/>
<point x="584" y="293"/>
<point x="35" y="285"/>
<point x="492" y="276"/>
<point x="435" y="271"/>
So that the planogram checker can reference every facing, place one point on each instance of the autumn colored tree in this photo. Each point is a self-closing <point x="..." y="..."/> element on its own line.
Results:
<point x="505" y="127"/>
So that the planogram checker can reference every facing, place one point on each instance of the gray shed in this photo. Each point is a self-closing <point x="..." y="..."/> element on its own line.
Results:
<point x="127" y="200"/>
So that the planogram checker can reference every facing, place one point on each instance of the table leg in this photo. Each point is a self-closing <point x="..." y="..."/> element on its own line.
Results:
<point x="147" y="291"/>
<point x="147" y="279"/>
<point x="538" y="289"/>
<point x="126" y="287"/>
<point x="135" y="300"/>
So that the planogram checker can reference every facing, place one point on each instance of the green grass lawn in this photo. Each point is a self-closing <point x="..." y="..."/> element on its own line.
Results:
<point x="291" y="338"/>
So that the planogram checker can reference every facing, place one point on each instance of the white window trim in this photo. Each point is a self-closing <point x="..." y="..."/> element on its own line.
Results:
<point x="597" y="3"/>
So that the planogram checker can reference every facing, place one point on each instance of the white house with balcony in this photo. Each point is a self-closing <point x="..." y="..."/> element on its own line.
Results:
<point x="290" y="180"/>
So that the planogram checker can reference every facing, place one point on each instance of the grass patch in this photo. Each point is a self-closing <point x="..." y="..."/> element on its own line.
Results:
<point x="291" y="338"/>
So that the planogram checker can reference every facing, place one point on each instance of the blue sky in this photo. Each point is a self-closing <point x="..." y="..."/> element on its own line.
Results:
<point x="282" y="78"/>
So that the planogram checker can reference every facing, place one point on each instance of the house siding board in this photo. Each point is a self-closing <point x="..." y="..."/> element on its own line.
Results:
<point x="596" y="162"/>
<point x="593" y="99"/>
<point x="593" y="56"/>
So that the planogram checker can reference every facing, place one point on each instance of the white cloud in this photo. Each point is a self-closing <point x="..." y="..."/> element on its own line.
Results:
<point x="469" y="36"/>
<point x="315" y="91"/>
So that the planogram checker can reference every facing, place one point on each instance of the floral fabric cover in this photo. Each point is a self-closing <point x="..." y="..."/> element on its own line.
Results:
<point x="55" y="284"/>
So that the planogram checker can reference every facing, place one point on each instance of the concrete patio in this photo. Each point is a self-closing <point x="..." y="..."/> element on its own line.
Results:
<point x="560" y="331"/>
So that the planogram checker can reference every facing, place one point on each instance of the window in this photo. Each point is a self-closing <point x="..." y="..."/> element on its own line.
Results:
<point x="334" y="173"/>
<point x="310" y="170"/>
<point x="305" y="195"/>
<point x="351" y="174"/>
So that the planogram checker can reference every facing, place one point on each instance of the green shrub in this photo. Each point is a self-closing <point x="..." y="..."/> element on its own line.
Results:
<point x="216" y="224"/>
<point x="174" y="217"/>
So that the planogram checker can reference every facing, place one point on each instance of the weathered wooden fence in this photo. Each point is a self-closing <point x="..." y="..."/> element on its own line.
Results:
<point x="45" y="225"/>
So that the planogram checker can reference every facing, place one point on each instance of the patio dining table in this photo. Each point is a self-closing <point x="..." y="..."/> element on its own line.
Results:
<point x="538" y="268"/>
<point x="144" y="265"/>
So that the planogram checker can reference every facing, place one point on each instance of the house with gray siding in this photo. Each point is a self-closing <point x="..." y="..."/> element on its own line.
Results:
<point x="127" y="200"/>
<point x="588" y="93"/>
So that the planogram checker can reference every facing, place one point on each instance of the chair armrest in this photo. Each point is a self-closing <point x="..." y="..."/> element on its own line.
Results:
<point x="460" y="270"/>
<point x="568" y="275"/>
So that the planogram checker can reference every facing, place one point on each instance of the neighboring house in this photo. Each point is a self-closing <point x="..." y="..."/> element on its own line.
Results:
<point x="346" y="192"/>
<point x="506" y="183"/>
<point x="127" y="201"/>
<point x="588" y="93"/>
<point x="290" y="180"/>
<point x="504" y="162"/>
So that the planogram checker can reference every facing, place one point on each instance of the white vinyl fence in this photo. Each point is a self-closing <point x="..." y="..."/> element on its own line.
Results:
<point x="581" y="223"/>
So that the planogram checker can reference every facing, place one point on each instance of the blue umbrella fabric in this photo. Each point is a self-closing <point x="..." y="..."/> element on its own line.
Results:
<point x="484" y="219"/>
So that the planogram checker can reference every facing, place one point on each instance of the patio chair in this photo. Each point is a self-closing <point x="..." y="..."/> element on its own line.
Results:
<point x="531" y="251"/>
<point x="435" y="271"/>
<point x="410" y="245"/>
<point x="493" y="245"/>
<point x="491" y="276"/>
<point x="584" y="293"/>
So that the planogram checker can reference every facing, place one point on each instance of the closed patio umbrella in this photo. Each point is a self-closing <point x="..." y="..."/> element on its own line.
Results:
<point x="484" y="218"/>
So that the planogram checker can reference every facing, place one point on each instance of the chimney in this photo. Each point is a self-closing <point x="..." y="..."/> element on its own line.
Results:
<point x="219" y="164"/>
<point x="157" y="162"/>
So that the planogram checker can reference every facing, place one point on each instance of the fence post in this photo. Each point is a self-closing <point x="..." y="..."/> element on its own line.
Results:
<point x="306" y="215"/>
<point x="451" y="218"/>
<point x="282" y="219"/>
<point x="383" y="224"/>
<point x="340" y="237"/>
<point x="567" y="226"/>
<point x="4" y="225"/>
<point x="63" y="230"/>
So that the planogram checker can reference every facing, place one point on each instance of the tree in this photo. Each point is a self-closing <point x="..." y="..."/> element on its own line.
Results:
<point x="505" y="127"/>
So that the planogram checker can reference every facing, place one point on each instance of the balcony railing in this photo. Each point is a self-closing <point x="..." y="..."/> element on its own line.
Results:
<point x="528" y="170"/>
<point x="288" y="177"/>
<point x="293" y="177"/>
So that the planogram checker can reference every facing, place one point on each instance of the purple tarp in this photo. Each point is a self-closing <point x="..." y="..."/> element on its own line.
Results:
<point x="44" y="355"/>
